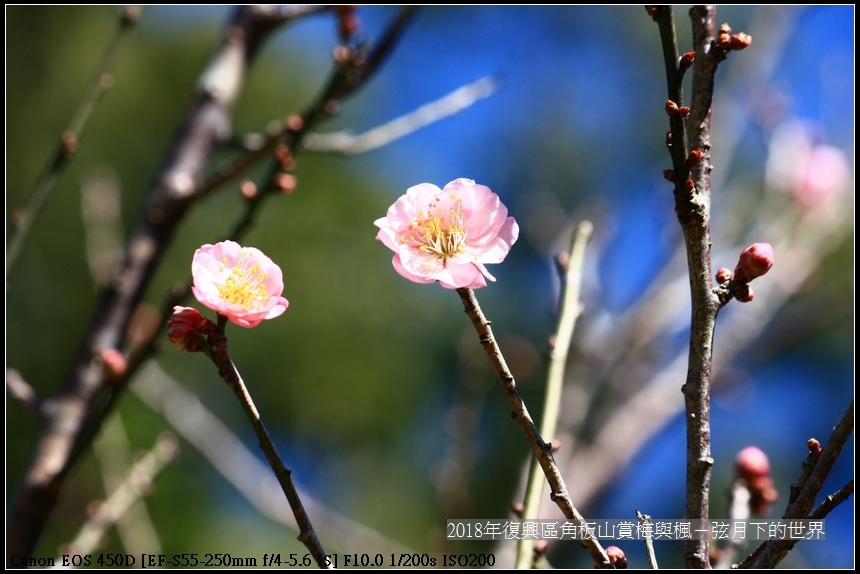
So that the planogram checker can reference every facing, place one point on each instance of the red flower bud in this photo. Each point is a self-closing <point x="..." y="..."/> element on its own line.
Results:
<point x="751" y="463"/>
<point x="740" y="41"/>
<point x="724" y="39"/>
<point x="694" y="157"/>
<point x="724" y="275"/>
<point x="754" y="262"/>
<point x="687" y="59"/>
<point x="683" y="112"/>
<point x="187" y="328"/>
<point x="671" y="108"/>
<point x="814" y="447"/>
<point x="670" y="175"/>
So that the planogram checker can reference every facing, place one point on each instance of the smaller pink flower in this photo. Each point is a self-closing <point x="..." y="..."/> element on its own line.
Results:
<point x="448" y="235"/>
<point x="187" y="328"/>
<point x="238" y="282"/>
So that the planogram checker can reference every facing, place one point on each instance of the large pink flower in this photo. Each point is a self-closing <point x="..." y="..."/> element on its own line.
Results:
<point x="447" y="235"/>
<point x="238" y="282"/>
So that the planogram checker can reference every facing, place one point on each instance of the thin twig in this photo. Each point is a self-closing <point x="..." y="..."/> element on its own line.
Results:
<point x="542" y="450"/>
<point x="832" y="501"/>
<point x="649" y="539"/>
<point x="136" y="532"/>
<point x="347" y="144"/>
<point x="228" y="371"/>
<point x="570" y="309"/>
<point x="135" y="485"/>
<point x="102" y="81"/>
<point x="21" y="390"/>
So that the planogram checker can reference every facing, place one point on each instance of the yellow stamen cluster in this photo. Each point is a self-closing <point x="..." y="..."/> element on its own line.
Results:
<point x="438" y="233"/>
<point x="244" y="284"/>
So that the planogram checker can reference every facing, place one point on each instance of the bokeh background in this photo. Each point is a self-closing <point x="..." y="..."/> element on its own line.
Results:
<point x="375" y="389"/>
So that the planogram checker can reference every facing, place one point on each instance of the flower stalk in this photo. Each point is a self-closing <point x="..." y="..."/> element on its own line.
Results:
<point x="228" y="371"/>
<point x="542" y="450"/>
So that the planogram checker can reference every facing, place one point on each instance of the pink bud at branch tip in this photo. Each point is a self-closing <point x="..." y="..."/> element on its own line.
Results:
<point x="754" y="262"/>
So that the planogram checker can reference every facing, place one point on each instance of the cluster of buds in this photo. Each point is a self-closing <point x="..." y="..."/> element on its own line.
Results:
<point x="188" y="330"/>
<point x="738" y="41"/>
<point x="754" y="262"/>
<point x="753" y="467"/>
<point x="676" y="111"/>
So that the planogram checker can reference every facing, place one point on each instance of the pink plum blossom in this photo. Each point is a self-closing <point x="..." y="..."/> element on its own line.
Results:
<point x="448" y="235"/>
<point x="238" y="282"/>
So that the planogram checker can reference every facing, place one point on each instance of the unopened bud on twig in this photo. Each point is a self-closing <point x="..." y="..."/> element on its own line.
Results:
<point x="724" y="275"/>
<point x="187" y="329"/>
<point x="687" y="59"/>
<point x="694" y="157"/>
<point x="814" y="447"/>
<point x="754" y="262"/>
<point x="740" y="41"/>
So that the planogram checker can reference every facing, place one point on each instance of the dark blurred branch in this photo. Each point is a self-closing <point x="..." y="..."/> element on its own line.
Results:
<point x="542" y="450"/>
<point x="80" y="406"/>
<point x="353" y="67"/>
<point x="71" y="136"/>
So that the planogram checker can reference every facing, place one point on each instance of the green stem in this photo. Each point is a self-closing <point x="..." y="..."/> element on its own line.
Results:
<point x="569" y="312"/>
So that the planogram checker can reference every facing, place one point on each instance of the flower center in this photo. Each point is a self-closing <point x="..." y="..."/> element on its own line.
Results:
<point x="440" y="231"/>
<point x="244" y="285"/>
